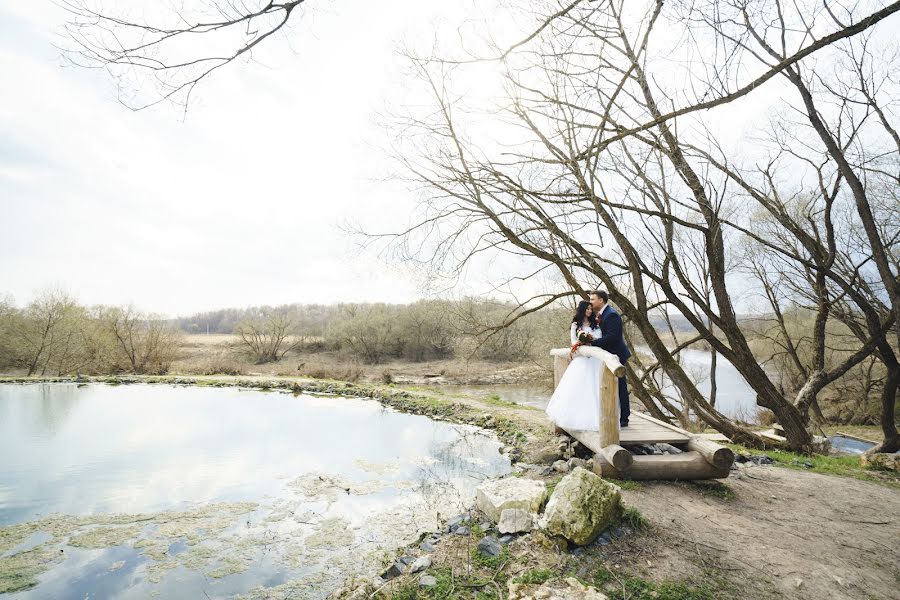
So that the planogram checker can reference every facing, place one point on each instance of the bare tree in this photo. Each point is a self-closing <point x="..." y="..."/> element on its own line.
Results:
<point x="143" y="344"/>
<point x="266" y="335"/>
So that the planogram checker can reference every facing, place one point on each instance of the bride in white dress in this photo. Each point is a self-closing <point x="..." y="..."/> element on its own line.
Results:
<point x="575" y="404"/>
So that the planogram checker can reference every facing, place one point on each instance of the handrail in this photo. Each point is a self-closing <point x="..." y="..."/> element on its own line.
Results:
<point x="608" y="358"/>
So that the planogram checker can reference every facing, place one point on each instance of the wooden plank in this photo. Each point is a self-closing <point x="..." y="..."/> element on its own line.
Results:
<point x="591" y="439"/>
<point x="607" y="358"/>
<point x="662" y="424"/>
<point x="856" y="437"/>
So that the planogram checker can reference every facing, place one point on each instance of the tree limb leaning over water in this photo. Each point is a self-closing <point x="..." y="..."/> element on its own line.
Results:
<point x="635" y="215"/>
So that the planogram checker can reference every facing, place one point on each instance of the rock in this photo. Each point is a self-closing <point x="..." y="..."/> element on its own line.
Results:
<point x="566" y="589"/>
<point x="515" y="520"/>
<point x="360" y="593"/>
<point x="457" y="521"/>
<point x="492" y="497"/>
<point x="761" y="459"/>
<point x="547" y="471"/>
<point x="489" y="546"/>
<point x="428" y="545"/>
<point x="577" y="462"/>
<point x="582" y="505"/>
<point x="395" y="570"/>
<point x="486" y="525"/>
<point x="462" y="530"/>
<point x="505" y="539"/>
<point x="420" y="564"/>
<point x="427" y="581"/>
<point x="887" y="462"/>
<point x="561" y="466"/>
<point x="406" y="559"/>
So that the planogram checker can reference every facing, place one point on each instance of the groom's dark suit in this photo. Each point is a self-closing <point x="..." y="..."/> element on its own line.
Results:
<point x="613" y="342"/>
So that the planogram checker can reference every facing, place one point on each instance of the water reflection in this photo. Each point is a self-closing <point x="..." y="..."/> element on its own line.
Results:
<point x="143" y="449"/>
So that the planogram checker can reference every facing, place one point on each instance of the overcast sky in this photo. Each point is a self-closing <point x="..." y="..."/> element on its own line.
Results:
<point x="240" y="203"/>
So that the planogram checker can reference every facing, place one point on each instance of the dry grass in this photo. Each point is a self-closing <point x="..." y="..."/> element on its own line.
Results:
<point x="221" y="354"/>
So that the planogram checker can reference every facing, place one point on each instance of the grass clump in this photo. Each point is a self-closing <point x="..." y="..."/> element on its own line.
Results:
<point x="626" y="484"/>
<point x="489" y="562"/>
<point x="715" y="489"/>
<point x="623" y="586"/>
<point x="537" y="576"/>
<point x="634" y="518"/>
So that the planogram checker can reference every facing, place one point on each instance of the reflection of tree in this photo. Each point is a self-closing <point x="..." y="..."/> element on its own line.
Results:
<point x="56" y="404"/>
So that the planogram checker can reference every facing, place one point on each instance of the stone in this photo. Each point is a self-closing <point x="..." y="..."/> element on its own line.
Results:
<point x="492" y="497"/>
<point x="577" y="462"/>
<point x="490" y="546"/>
<point x="457" y="521"/>
<point x="515" y="520"/>
<point x="582" y="505"/>
<point x="486" y="524"/>
<point x="462" y="530"/>
<point x="505" y="539"/>
<point x="427" y="581"/>
<point x="565" y="589"/>
<point x="406" y="559"/>
<point x="420" y="564"/>
<point x="561" y="466"/>
<point x="885" y="461"/>
<point x="427" y="546"/>
<point x="395" y="570"/>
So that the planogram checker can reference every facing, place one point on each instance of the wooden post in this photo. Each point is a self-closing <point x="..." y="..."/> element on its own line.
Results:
<point x="609" y="407"/>
<point x="560" y="364"/>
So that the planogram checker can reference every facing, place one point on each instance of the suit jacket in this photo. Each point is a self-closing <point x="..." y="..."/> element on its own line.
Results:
<point x="612" y="339"/>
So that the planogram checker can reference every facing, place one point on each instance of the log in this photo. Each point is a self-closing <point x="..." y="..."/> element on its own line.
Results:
<point x="617" y="456"/>
<point x="686" y="466"/>
<point x="715" y="454"/>
<point x="610" y="360"/>
<point x="609" y="409"/>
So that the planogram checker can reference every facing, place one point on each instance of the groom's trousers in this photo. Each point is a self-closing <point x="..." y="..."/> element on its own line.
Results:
<point x="624" y="402"/>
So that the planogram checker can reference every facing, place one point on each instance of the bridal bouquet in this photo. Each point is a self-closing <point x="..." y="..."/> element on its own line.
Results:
<point x="583" y="338"/>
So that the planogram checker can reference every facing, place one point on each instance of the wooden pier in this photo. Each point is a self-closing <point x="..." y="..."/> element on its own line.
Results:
<point x="700" y="459"/>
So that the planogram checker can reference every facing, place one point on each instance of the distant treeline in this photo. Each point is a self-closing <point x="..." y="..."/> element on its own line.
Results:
<point x="56" y="335"/>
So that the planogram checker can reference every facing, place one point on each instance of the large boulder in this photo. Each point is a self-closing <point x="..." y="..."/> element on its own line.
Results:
<point x="582" y="505"/>
<point x="564" y="589"/>
<point x="493" y="497"/>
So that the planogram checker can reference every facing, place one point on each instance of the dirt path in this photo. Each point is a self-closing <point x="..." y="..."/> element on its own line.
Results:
<point x="777" y="533"/>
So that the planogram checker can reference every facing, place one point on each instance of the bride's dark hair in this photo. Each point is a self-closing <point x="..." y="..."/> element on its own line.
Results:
<point x="578" y="319"/>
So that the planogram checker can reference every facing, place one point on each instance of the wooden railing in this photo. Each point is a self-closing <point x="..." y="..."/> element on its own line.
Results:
<point x="610" y="372"/>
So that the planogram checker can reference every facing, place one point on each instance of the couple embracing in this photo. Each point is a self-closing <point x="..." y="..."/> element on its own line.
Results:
<point x="575" y="404"/>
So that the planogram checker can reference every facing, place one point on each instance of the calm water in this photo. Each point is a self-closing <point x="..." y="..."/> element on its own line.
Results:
<point x="734" y="397"/>
<point x="326" y="474"/>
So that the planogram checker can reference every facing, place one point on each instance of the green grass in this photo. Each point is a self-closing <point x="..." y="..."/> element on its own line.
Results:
<point x="490" y="562"/>
<point x="840" y="466"/>
<point x="537" y="576"/>
<point x="714" y="489"/>
<point x="626" y="484"/>
<point x="622" y="586"/>
<point x="634" y="518"/>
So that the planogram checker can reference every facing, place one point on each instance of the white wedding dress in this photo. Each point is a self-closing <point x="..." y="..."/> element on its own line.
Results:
<point x="575" y="404"/>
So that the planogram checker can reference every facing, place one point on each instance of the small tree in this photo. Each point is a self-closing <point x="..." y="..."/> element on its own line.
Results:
<point x="265" y="335"/>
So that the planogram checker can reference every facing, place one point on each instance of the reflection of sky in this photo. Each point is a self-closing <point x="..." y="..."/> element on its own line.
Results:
<point x="83" y="450"/>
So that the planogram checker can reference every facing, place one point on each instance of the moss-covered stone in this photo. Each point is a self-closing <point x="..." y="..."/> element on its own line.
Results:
<point x="582" y="506"/>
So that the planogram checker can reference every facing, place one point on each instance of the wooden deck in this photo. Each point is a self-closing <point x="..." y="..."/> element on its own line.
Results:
<point x="642" y="429"/>
<point x="699" y="458"/>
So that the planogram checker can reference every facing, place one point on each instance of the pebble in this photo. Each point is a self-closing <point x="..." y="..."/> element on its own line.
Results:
<point x="461" y="530"/>
<point x="490" y="546"/>
<point x="428" y="546"/>
<point x="427" y="581"/>
<point x="421" y="563"/>
<point x="505" y="539"/>
<point x="561" y="466"/>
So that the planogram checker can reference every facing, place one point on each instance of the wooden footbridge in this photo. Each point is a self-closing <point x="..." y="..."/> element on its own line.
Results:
<point x="699" y="459"/>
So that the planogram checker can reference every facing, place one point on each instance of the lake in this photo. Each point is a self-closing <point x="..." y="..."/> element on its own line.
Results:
<point x="734" y="397"/>
<point x="155" y="490"/>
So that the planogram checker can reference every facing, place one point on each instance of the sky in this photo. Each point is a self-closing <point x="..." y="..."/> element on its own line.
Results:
<point x="246" y="198"/>
<point x="242" y="201"/>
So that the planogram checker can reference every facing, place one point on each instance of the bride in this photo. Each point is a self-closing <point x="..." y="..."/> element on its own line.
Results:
<point x="575" y="403"/>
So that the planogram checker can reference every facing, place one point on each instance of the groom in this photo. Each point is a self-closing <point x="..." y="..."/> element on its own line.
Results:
<point x="610" y="322"/>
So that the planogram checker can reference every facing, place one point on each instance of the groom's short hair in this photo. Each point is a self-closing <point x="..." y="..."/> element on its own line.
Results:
<point x="601" y="294"/>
